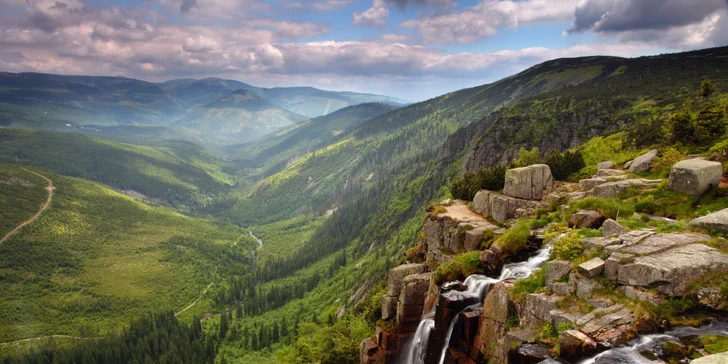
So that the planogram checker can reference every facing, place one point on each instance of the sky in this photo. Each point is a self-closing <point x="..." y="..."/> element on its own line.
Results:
<point x="411" y="49"/>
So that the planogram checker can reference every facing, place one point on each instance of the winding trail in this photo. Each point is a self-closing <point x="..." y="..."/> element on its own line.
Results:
<point x="45" y="205"/>
<point x="197" y="300"/>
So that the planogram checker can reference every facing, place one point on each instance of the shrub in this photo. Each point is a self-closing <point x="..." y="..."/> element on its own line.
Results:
<point x="683" y="126"/>
<point x="462" y="266"/>
<point x="664" y="162"/>
<point x="646" y="132"/>
<point x="710" y="124"/>
<point x="515" y="238"/>
<point x="526" y="157"/>
<point x="647" y="204"/>
<point x="415" y="254"/>
<point x="564" y="164"/>
<point x="466" y="186"/>
<point x="567" y="247"/>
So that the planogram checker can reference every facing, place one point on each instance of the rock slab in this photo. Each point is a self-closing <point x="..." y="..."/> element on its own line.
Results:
<point x="591" y="268"/>
<point x="529" y="183"/>
<point x="643" y="163"/>
<point x="717" y="220"/>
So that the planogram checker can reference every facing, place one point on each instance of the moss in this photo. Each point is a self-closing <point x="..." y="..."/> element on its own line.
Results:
<point x="714" y="344"/>
<point x="438" y="210"/>
<point x="525" y="286"/>
<point x="515" y="238"/>
<point x="462" y="266"/>
<point x="568" y="246"/>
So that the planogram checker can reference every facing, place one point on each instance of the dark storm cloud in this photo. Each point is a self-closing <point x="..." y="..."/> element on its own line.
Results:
<point x="611" y="16"/>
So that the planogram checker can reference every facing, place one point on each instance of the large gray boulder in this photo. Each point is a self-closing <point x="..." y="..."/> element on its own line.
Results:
<point x="717" y="220"/>
<point x="481" y="202"/>
<point x="591" y="268"/>
<point x="643" y="163"/>
<point x="557" y="269"/>
<point x="672" y="271"/>
<point x="612" y="228"/>
<point x="538" y="308"/>
<point x="530" y="183"/>
<point x="605" y="165"/>
<point x="587" y="219"/>
<point x="695" y="176"/>
<point x="503" y="208"/>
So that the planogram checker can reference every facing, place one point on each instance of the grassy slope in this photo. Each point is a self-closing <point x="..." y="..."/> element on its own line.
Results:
<point x="95" y="258"/>
<point x="22" y="195"/>
<point x="177" y="173"/>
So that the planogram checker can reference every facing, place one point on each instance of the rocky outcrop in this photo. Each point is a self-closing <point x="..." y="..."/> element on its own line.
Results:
<point x="613" y="189"/>
<point x="528" y="183"/>
<point x="605" y="165"/>
<point x="556" y="270"/>
<point x="575" y="344"/>
<point x="411" y="301"/>
<point x="717" y="221"/>
<point x="452" y="230"/>
<point x="643" y="163"/>
<point x="481" y="202"/>
<point x="712" y="359"/>
<point x="591" y="268"/>
<point x="695" y="176"/>
<point x="396" y="281"/>
<point x="612" y="228"/>
<point x="504" y="208"/>
<point x="492" y="328"/>
<point x="589" y="183"/>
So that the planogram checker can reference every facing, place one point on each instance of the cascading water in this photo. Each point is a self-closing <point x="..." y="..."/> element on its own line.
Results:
<point x="477" y="287"/>
<point x="631" y="354"/>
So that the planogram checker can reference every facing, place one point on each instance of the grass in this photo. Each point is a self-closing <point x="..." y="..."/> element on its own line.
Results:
<point x="522" y="287"/>
<point x="611" y="207"/>
<point x="462" y="266"/>
<point x="714" y="344"/>
<point x="515" y="238"/>
<point x="281" y="238"/>
<point x="21" y="196"/>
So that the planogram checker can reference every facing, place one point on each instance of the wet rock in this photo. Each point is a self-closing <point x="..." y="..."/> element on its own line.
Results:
<point x="643" y="163"/>
<point x="514" y="338"/>
<point x="589" y="183"/>
<point x="454" y="285"/>
<point x="530" y="354"/>
<point x="605" y="165"/>
<point x="470" y="323"/>
<point x="529" y="183"/>
<point x="481" y="202"/>
<point x="537" y="309"/>
<point x="575" y="344"/>
<point x="612" y="228"/>
<point x="717" y="220"/>
<point x="694" y="176"/>
<point x="672" y="271"/>
<point x="615" y="336"/>
<point x="591" y="268"/>
<point x="587" y="219"/>
<point x="556" y="269"/>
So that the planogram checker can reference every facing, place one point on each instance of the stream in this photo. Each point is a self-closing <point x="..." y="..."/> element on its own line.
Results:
<point x="259" y="240"/>
<point x="477" y="287"/>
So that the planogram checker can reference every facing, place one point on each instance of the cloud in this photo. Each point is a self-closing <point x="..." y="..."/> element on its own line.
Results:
<point x="404" y="3"/>
<point x="292" y="30"/>
<point x="321" y="5"/>
<point x="376" y="15"/>
<point x="484" y="19"/>
<point x="676" y="24"/>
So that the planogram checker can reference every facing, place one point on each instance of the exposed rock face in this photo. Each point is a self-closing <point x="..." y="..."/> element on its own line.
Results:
<point x="592" y="268"/>
<point x="411" y="300"/>
<point x="589" y="183"/>
<point x="529" y="183"/>
<point x="605" y="165"/>
<point x="537" y="310"/>
<point x="717" y="220"/>
<point x="643" y="163"/>
<point x="368" y="352"/>
<point x="595" y="243"/>
<point x="694" y="176"/>
<point x="394" y="287"/>
<point x="612" y="189"/>
<point x="609" y="173"/>
<point x="389" y="307"/>
<point x="611" y="265"/>
<point x="601" y="320"/>
<point x="587" y="219"/>
<point x="556" y="269"/>
<point x="673" y="270"/>
<point x="660" y="242"/>
<point x="612" y="228"/>
<point x="493" y="322"/>
<point x="481" y="202"/>
<point x="452" y="231"/>
<point x="504" y="208"/>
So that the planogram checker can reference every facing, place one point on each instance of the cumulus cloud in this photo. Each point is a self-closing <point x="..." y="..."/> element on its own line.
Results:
<point x="292" y="29"/>
<point x="484" y="19"/>
<point x="376" y="15"/>
<point x="404" y="3"/>
<point x="321" y="5"/>
<point x="671" y="23"/>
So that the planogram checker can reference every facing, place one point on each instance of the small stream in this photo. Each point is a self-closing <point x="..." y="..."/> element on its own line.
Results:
<point x="259" y="240"/>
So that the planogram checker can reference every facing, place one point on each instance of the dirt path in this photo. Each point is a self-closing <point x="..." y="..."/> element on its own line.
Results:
<point x="197" y="300"/>
<point x="45" y="205"/>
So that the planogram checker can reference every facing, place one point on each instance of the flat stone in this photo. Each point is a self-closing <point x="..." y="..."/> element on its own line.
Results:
<point x="643" y="163"/>
<point x="591" y="268"/>
<point x="585" y="287"/>
<point x="632" y="292"/>
<point x="538" y="306"/>
<point x="529" y="183"/>
<point x="481" y="202"/>
<point x="607" y="322"/>
<point x="562" y="317"/>
<point x="612" y="228"/>
<point x="609" y="173"/>
<point x="635" y="236"/>
<point x="613" y="189"/>
<point x="556" y="269"/>
<point x="599" y="302"/>
<point x="587" y="219"/>
<point x="598" y="313"/>
<point x="589" y="183"/>
<point x="611" y="265"/>
<point x="717" y="220"/>
<point x="720" y="358"/>
<point x="660" y="242"/>
<point x="605" y="165"/>
<point x="574" y="196"/>
<point x="695" y="176"/>
<point x="672" y="271"/>
<point x="596" y="243"/>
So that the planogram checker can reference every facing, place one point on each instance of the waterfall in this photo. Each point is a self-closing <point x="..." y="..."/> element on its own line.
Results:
<point x="630" y="354"/>
<point x="478" y="286"/>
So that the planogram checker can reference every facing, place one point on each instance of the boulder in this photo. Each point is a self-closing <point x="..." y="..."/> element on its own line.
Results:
<point x="609" y="173"/>
<point x="605" y="165"/>
<point x="656" y="243"/>
<point x="643" y="163"/>
<point x="529" y="183"/>
<point x="717" y="220"/>
<point x="596" y="243"/>
<point x="591" y="268"/>
<point x="562" y="288"/>
<point x="604" y="319"/>
<point x="473" y="238"/>
<point x="672" y="271"/>
<point x="397" y="275"/>
<point x="556" y="269"/>
<point x="612" y="228"/>
<point x="611" y="265"/>
<point x="613" y="189"/>
<point x="585" y="287"/>
<point x="712" y="359"/>
<point x="589" y="183"/>
<point x="650" y="297"/>
<point x="587" y="219"/>
<point x="481" y="202"/>
<point x="627" y="165"/>
<point x="694" y="176"/>
<point x="414" y="288"/>
<point x="389" y="307"/>
<point x="575" y="344"/>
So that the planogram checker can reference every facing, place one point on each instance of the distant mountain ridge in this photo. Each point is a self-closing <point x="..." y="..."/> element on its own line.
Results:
<point x="211" y="105"/>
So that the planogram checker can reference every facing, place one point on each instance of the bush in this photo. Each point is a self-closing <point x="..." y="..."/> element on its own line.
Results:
<point x="646" y="132"/>
<point x="567" y="247"/>
<point x="415" y="254"/>
<point x="683" y="126"/>
<point x="564" y="164"/>
<point x="466" y="186"/>
<point x="526" y="157"/>
<point x="462" y="266"/>
<point x="515" y="238"/>
<point x="710" y="124"/>
<point x="664" y="162"/>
